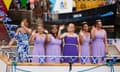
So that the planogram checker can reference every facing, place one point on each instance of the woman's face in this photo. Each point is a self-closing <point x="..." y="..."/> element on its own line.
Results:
<point x="99" y="25"/>
<point x="85" y="27"/>
<point x="54" y="30"/>
<point x="25" y="22"/>
<point x="40" y="29"/>
<point x="71" y="28"/>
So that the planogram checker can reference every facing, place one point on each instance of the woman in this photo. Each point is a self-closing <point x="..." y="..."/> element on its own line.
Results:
<point x="71" y="42"/>
<point x="32" y="4"/>
<point x="84" y="37"/>
<point x="53" y="47"/>
<point x="22" y="38"/>
<point x="45" y="6"/>
<point x="39" y="42"/>
<point x="99" y="41"/>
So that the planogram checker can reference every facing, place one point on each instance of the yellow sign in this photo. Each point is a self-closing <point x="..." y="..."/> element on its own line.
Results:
<point x="7" y="3"/>
<point x="88" y="4"/>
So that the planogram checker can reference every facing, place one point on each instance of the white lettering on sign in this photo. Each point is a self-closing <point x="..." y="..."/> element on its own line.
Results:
<point x="77" y="15"/>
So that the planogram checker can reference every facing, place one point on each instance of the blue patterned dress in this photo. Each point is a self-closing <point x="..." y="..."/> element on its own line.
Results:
<point x="22" y="46"/>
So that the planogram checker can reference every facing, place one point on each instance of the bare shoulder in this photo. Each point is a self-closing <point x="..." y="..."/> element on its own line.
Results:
<point x="49" y="34"/>
<point x="44" y="35"/>
<point x="65" y="33"/>
<point x="30" y="29"/>
<point x="89" y="33"/>
<point x="75" y="34"/>
<point x="19" y="29"/>
<point x="103" y="30"/>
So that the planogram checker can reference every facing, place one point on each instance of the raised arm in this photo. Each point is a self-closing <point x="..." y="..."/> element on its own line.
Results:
<point x="28" y="30"/>
<point x="47" y="35"/>
<point x="60" y="35"/>
<point x="33" y="36"/>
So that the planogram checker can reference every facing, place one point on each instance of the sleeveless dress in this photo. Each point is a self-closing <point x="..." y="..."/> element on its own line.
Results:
<point x="39" y="48"/>
<point x="98" y="46"/>
<point x="53" y="48"/>
<point x="70" y="48"/>
<point x="22" y="46"/>
<point x="85" y="49"/>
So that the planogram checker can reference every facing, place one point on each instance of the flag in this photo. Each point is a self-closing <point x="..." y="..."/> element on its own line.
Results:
<point x="2" y="6"/>
<point x="7" y="3"/>
<point x="53" y="5"/>
<point x="23" y="3"/>
<point x="3" y="10"/>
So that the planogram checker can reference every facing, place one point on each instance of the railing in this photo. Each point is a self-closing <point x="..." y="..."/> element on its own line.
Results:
<point x="12" y="54"/>
<point x="110" y="61"/>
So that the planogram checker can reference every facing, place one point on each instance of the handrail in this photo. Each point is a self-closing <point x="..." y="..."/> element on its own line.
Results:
<point x="109" y="63"/>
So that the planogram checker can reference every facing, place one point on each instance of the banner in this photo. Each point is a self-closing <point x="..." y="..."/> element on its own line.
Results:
<point x="61" y="6"/>
<point x="7" y="3"/>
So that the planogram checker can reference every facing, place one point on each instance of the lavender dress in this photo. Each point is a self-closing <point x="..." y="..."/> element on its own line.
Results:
<point x="38" y="48"/>
<point x="98" y="46"/>
<point x="70" y="48"/>
<point x="85" y="48"/>
<point x="53" y="48"/>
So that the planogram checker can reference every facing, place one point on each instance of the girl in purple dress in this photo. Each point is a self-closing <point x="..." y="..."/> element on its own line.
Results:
<point x="53" y="47"/>
<point x="99" y="41"/>
<point x="85" y="43"/>
<point x="71" y="42"/>
<point x="39" y="42"/>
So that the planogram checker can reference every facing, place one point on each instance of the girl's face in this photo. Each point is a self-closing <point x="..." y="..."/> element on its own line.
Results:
<point x="54" y="30"/>
<point x="71" y="28"/>
<point x="85" y="27"/>
<point x="40" y="29"/>
<point x="99" y="25"/>
<point x="25" y="22"/>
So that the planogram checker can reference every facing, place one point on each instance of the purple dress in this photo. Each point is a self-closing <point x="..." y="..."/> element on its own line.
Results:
<point x="98" y="46"/>
<point x="38" y="48"/>
<point x="70" y="48"/>
<point x="53" y="48"/>
<point x="85" y="48"/>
